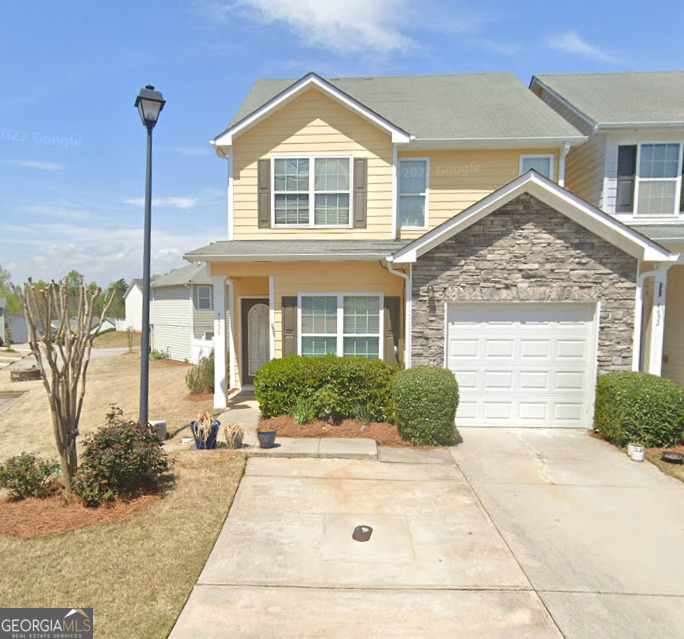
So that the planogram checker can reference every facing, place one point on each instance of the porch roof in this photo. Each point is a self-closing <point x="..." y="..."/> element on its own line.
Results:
<point x="295" y="250"/>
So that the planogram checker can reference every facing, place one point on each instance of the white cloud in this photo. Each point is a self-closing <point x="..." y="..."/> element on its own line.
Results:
<point x="171" y="201"/>
<point x="342" y="27"/>
<point x="35" y="164"/>
<point x="572" y="42"/>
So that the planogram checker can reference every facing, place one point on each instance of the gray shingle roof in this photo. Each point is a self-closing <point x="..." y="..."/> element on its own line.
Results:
<point x="661" y="232"/>
<point x="654" y="98"/>
<point x="190" y="274"/>
<point x="458" y="106"/>
<point x="276" y="250"/>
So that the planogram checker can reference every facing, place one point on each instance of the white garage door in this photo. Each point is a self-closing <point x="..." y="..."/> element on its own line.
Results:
<point x="520" y="364"/>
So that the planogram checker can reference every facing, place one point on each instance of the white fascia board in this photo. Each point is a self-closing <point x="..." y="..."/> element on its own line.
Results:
<point x="302" y="257"/>
<point x="311" y="80"/>
<point x="640" y="125"/>
<point x="576" y="209"/>
<point x="432" y="144"/>
<point x="565" y="102"/>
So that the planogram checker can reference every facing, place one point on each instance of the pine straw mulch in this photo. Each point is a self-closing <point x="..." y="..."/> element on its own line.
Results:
<point x="383" y="433"/>
<point x="33" y="518"/>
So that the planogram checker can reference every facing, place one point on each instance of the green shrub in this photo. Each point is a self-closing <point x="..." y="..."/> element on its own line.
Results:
<point x="425" y="402"/>
<point x="123" y="459"/>
<point x="279" y="384"/>
<point x="28" y="475"/>
<point x="326" y="403"/>
<point x="639" y="407"/>
<point x="200" y="378"/>
<point x="304" y="411"/>
<point x="158" y="355"/>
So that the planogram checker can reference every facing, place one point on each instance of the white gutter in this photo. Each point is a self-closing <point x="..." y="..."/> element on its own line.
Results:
<point x="395" y="187"/>
<point x="565" y="149"/>
<point x="408" y="295"/>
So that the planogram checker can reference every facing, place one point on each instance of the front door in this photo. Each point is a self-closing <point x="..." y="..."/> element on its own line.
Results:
<point x="255" y="340"/>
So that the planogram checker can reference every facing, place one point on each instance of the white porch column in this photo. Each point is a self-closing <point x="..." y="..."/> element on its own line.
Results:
<point x="655" y="359"/>
<point x="271" y="316"/>
<point x="220" y="394"/>
<point x="230" y="316"/>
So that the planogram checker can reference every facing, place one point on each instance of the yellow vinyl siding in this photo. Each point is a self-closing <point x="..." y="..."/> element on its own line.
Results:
<point x="461" y="178"/>
<point x="313" y="124"/>
<point x="251" y="279"/>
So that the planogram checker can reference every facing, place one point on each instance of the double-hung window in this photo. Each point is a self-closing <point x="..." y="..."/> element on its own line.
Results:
<point x="204" y="301"/>
<point x="658" y="178"/>
<point x="312" y="191"/>
<point x="542" y="163"/>
<point x="342" y="324"/>
<point x="413" y="191"/>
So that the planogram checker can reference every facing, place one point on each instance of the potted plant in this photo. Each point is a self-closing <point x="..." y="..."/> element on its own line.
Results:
<point x="204" y="430"/>
<point x="231" y="435"/>
<point x="266" y="435"/>
<point x="636" y="449"/>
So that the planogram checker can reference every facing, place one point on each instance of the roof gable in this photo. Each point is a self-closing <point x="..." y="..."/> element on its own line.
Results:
<point x="558" y="198"/>
<point x="296" y="89"/>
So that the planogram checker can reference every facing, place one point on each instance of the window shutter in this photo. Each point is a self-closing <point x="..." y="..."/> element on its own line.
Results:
<point x="626" y="177"/>
<point x="391" y="337"/>
<point x="681" y="195"/>
<point x="289" y="305"/>
<point x="360" y="192"/>
<point x="264" y="188"/>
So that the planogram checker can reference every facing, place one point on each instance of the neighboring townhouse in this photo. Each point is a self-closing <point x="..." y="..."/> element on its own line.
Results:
<point x="133" y="299"/>
<point x="631" y="167"/>
<point x="422" y="220"/>
<point x="182" y="314"/>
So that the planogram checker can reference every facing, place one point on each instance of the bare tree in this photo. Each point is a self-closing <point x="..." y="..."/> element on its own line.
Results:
<point x="63" y="357"/>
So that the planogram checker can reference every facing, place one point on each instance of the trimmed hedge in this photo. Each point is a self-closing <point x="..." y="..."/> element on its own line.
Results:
<point x="280" y="383"/>
<point x="425" y="403"/>
<point x="639" y="407"/>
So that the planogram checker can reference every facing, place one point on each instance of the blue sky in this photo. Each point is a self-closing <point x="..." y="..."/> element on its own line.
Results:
<point x="72" y="148"/>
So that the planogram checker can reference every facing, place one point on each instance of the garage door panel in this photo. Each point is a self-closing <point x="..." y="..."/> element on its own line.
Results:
<point x="522" y="364"/>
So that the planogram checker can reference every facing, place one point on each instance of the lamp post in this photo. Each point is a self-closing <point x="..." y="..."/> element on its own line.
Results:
<point x="149" y="104"/>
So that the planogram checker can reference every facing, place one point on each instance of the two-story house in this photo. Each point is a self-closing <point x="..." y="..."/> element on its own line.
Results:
<point x="631" y="167"/>
<point x="422" y="220"/>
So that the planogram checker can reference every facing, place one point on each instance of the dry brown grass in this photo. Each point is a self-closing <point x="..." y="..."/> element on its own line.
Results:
<point x="116" y="338"/>
<point x="136" y="574"/>
<point x="26" y="424"/>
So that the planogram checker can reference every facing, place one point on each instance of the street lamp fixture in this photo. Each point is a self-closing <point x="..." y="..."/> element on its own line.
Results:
<point x="149" y="103"/>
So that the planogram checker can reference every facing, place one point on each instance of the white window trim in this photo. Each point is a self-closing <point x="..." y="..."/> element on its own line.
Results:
<point x="527" y="156"/>
<point x="211" y="298"/>
<point x="311" y="192"/>
<point x="676" y="214"/>
<point x="340" y="319"/>
<point x="425" y="159"/>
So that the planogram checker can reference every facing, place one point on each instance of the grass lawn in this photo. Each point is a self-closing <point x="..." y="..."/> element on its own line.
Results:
<point x="137" y="574"/>
<point x="26" y="423"/>
<point x="116" y="338"/>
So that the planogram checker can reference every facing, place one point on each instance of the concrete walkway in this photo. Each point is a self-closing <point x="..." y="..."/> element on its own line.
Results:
<point x="534" y="534"/>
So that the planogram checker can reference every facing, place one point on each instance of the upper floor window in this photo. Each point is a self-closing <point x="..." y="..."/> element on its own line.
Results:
<point x="204" y="298"/>
<point x="311" y="191"/>
<point x="413" y="192"/>
<point x="649" y="179"/>
<point x="541" y="163"/>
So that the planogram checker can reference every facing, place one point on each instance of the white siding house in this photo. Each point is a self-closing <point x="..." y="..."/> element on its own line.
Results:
<point x="181" y="314"/>
<point x="632" y="167"/>
<point x="133" y="305"/>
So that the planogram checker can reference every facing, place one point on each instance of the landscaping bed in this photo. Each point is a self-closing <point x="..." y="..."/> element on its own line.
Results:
<point x="383" y="433"/>
<point x="675" y="470"/>
<point x="136" y="573"/>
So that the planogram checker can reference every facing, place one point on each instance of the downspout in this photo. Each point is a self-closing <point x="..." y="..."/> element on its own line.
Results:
<point x="565" y="149"/>
<point x="408" y="296"/>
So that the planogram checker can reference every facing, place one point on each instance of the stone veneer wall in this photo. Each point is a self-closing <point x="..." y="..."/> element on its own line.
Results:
<point x="526" y="251"/>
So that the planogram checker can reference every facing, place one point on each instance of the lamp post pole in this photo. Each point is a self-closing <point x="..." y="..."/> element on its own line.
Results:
<point x="149" y="104"/>
<point x="145" y="337"/>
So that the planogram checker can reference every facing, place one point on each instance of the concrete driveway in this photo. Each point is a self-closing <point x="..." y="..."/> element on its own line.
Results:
<point x="533" y="534"/>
